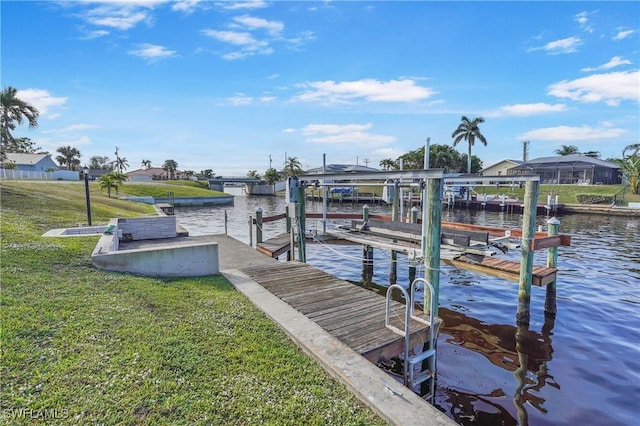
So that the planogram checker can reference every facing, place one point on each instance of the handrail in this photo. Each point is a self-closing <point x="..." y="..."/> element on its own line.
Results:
<point x="407" y="314"/>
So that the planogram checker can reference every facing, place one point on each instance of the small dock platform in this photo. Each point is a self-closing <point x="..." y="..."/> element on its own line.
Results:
<point x="353" y="315"/>
<point x="274" y="247"/>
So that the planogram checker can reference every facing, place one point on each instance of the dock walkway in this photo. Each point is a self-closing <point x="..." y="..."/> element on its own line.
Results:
<point x="244" y="267"/>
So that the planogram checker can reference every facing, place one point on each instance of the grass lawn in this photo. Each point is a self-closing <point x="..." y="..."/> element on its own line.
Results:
<point x="93" y="347"/>
<point x="161" y="189"/>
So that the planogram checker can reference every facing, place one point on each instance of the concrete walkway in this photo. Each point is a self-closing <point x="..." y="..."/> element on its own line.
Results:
<point x="391" y="400"/>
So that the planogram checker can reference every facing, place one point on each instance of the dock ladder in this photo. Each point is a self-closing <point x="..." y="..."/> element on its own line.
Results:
<point x="411" y="378"/>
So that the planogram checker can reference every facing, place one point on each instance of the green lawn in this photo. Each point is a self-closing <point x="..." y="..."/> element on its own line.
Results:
<point x="161" y="189"/>
<point x="107" y="348"/>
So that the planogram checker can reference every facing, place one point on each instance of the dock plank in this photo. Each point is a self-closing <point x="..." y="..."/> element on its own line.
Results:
<point x="352" y="314"/>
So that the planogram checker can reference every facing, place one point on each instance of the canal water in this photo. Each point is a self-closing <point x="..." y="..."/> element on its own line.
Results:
<point x="581" y="368"/>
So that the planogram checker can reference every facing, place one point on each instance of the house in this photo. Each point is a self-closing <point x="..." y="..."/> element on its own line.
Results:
<point x="32" y="162"/>
<point x="153" y="173"/>
<point x="571" y="169"/>
<point x="34" y="166"/>
<point x="500" y="168"/>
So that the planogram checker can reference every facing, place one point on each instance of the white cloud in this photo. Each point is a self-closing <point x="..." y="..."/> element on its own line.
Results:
<point x="238" y="38"/>
<point x="610" y="88"/>
<point x="252" y="23"/>
<point x="152" y="52"/>
<point x="572" y="134"/>
<point x="616" y="61"/>
<point x="582" y="18"/>
<point x="42" y="100"/>
<point x="248" y="44"/>
<point x="524" y="110"/>
<point x="236" y="5"/>
<point x="185" y="6"/>
<point x="342" y="134"/>
<point x="366" y="90"/>
<point x="240" y="99"/>
<point x="289" y="130"/>
<point x="622" y="34"/>
<point x="565" y="45"/>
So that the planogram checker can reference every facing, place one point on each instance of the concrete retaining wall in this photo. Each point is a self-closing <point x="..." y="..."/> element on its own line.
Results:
<point x="170" y="260"/>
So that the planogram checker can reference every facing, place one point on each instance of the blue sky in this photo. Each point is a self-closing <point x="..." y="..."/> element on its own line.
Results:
<point x="236" y="86"/>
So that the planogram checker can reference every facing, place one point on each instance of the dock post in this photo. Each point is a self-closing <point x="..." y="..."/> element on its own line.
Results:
<point x="250" y="231"/>
<point x="412" y="269"/>
<point x="258" y="225"/>
<point x="526" y="252"/>
<point x="300" y="219"/>
<point x="365" y="212"/>
<point x="225" y="223"/>
<point x="431" y="229"/>
<point x="395" y="212"/>
<point x="553" y="225"/>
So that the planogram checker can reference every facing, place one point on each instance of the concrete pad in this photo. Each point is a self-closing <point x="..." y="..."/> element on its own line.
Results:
<point x="391" y="400"/>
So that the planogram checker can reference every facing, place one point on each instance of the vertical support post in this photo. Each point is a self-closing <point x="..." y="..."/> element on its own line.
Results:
<point x="250" y="231"/>
<point x="86" y="190"/>
<point x="431" y="231"/>
<point x="526" y="253"/>
<point x="225" y="223"/>
<point x="393" y="267"/>
<point x="258" y="225"/>
<point x="324" y="196"/>
<point x="365" y="213"/>
<point x="553" y="225"/>
<point x="300" y="216"/>
<point x="412" y="264"/>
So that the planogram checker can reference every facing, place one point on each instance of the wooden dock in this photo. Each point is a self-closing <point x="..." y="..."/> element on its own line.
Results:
<point x="274" y="247"/>
<point x="354" y="315"/>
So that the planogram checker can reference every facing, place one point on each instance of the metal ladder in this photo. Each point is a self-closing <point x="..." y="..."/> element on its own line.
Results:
<point x="412" y="379"/>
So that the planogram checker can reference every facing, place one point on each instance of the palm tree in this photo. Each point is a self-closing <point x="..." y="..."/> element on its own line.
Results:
<point x="567" y="150"/>
<point x="253" y="174"/>
<point x="146" y="164"/>
<point x="69" y="156"/>
<point x="12" y="111"/>
<point x="387" y="164"/>
<point x="121" y="164"/>
<point x="170" y="166"/>
<point x="106" y="182"/>
<point x="293" y="166"/>
<point x="469" y="131"/>
<point x="633" y="147"/>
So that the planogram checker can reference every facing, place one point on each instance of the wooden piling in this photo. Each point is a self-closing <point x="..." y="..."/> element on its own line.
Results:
<point x="526" y="252"/>
<point x="258" y="225"/>
<point x="433" y="215"/>
<point x="395" y="212"/>
<point x="300" y="219"/>
<point x="412" y="268"/>
<point x="553" y="228"/>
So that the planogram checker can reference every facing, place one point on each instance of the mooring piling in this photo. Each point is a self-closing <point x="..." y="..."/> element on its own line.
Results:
<point x="526" y="252"/>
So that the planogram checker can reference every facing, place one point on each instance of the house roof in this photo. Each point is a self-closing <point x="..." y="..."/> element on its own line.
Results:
<point x="26" y="159"/>
<point x="515" y="162"/>
<point x="573" y="158"/>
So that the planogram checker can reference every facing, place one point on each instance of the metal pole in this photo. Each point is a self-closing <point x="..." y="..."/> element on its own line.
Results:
<point x="526" y="253"/>
<point x="427" y="151"/>
<point x="552" y="262"/>
<point x="86" y="190"/>
<point x="324" y="197"/>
